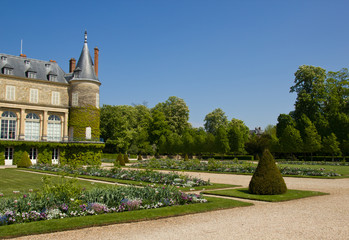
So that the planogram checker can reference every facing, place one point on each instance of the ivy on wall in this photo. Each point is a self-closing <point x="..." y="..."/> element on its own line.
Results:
<point x="74" y="154"/>
<point x="82" y="117"/>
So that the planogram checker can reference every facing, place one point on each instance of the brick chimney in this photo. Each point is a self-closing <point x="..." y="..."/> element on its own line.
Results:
<point x="96" y="60"/>
<point x="72" y="64"/>
<point x="22" y="55"/>
<point x="52" y="61"/>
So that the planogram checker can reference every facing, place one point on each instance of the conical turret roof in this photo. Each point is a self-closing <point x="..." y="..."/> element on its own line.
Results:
<point x="84" y="69"/>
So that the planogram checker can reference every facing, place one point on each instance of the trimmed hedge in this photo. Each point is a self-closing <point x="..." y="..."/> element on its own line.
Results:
<point x="267" y="179"/>
<point x="25" y="161"/>
<point x="69" y="153"/>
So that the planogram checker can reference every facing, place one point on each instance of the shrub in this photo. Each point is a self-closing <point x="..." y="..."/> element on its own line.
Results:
<point x="25" y="161"/>
<point x="186" y="157"/>
<point x="120" y="160"/>
<point x="139" y="158"/>
<point x="126" y="160"/>
<point x="267" y="179"/>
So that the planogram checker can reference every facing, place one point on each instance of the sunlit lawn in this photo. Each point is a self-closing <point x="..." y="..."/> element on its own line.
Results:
<point x="15" y="180"/>
<point x="291" y="194"/>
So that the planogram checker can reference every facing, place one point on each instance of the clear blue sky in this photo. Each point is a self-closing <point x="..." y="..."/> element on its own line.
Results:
<point x="236" y="55"/>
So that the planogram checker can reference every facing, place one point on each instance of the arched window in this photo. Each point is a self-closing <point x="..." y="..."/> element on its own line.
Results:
<point x="54" y="128"/>
<point x="8" y="125"/>
<point x="32" y="127"/>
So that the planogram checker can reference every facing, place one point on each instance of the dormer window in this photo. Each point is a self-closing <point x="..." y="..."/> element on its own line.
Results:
<point x="52" y="77"/>
<point x="3" y="58"/>
<point x="77" y="72"/>
<point x="31" y="74"/>
<point x="26" y="62"/>
<point x="47" y="65"/>
<point x="7" y="71"/>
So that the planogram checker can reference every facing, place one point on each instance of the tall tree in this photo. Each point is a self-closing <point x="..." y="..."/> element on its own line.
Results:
<point x="222" y="141"/>
<point x="214" y="120"/>
<point x="238" y="134"/>
<point x="284" y="120"/>
<point x="291" y="141"/>
<point x="311" y="138"/>
<point x="331" y="145"/>
<point x="310" y="88"/>
<point x="176" y="112"/>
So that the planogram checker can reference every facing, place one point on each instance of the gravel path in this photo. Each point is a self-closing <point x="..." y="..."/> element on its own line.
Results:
<point x="322" y="217"/>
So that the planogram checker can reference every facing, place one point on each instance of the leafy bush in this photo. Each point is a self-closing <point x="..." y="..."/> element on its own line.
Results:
<point x="25" y="161"/>
<point x="120" y="160"/>
<point x="267" y="179"/>
<point x="186" y="157"/>
<point x="126" y="160"/>
<point x="139" y="157"/>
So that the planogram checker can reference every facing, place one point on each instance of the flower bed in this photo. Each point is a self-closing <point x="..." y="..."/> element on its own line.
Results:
<point x="134" y="175"/>
<point x="314" y="163"/>
<point x="67" y="200"/>
<point x="218" y="166"/>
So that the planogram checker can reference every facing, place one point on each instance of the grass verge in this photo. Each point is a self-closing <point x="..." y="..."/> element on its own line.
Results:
<point x="55" y="225"/>
<point x="243" y="193"/>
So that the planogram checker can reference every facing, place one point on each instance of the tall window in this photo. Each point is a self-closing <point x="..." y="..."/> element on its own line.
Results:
<point x="97" y="100"/>
<point x="33" y="154"/>
<point x="8" y="125"/>
<point x="33" y="95"/>
<point x="54" y="128"/>
<point x="10" y="93"/>
<point x="8" y="153"/>
<point x="32" y="127"/>
<point x="55" y="98"/>
<point x="75" y="99"/>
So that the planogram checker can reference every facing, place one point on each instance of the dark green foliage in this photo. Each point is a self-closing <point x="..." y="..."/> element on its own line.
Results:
<point x="25" y="161"/>
<point x="139" y="157"/>
<point x="120" y="160"/>
<point x="267" y="179"/>
<point x="126" y="160"/>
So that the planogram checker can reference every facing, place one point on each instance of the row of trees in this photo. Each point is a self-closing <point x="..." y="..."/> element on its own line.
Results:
<point x="319" y="123"/>
<point x="165" y="129"/>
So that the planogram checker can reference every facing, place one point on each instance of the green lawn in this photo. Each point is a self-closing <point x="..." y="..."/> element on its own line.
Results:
<point x="55" y="225"/>
<point x="15" y="180"/>
<point x="243" y="193"/>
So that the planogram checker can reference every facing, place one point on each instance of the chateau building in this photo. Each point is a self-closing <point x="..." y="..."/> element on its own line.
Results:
<point x="40" y="103"/>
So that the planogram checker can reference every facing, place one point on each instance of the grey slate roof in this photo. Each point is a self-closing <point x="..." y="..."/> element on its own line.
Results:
<point x="84" y="68"/>
<point x="42" y="68"/>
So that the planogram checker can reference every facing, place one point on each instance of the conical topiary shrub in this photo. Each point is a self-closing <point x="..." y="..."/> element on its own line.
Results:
<point x="120" y="160"/>
<point x="267" y="179"/>
<point x="126" y="160"/>
<point x="186" y="157"/>
<point x="25" y="161"/>
<point x="139" y="157"/>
